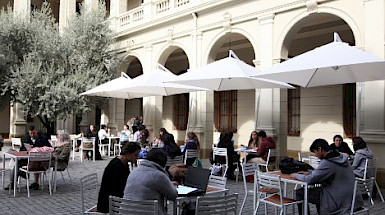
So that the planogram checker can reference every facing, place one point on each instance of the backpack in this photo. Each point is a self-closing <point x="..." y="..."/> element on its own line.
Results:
<point x="289" y="165"/>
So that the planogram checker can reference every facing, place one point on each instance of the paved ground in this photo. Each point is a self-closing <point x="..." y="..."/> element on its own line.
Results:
<point x="67" y="199"/>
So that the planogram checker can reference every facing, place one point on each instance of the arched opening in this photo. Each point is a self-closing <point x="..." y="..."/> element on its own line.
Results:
<point x="133" y="107"/>
<point x="331" y="108"/>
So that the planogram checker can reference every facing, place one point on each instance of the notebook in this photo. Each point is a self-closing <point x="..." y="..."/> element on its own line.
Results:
<point x="195" y="183"/>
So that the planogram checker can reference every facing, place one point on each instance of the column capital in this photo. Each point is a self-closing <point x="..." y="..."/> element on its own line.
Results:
<point x="311" y="6"/>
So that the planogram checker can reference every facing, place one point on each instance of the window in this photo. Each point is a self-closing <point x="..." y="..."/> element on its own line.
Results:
<point x="293" y="111"/>
<point x="181" y="106"/>
<point x="225" y="110"/>
<point x="349" y="109"/>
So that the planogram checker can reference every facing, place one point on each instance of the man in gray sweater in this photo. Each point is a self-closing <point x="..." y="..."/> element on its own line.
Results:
<point x="150" y="181"/>
<point x="337" y="178"/>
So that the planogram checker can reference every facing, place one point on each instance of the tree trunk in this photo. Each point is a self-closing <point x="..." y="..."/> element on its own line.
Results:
<point x="50" y="126"/>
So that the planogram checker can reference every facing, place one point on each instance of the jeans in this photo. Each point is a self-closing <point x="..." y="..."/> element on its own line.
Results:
<point x="313" y="197"/>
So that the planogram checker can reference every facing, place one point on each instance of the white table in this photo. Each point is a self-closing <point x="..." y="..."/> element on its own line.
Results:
<point x="286" y="178"/>
<point x="245" y="151"/>
<point x="74" y="143"/>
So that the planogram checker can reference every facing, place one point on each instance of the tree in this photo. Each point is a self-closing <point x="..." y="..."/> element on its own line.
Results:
<point x="49" y="70"/>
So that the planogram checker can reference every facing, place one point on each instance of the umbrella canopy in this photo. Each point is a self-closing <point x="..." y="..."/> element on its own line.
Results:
<point x="333" y="63"/>
<point x="113" y="89"/>
<point x="152" y="83"/>
<point x="229" y="73"/>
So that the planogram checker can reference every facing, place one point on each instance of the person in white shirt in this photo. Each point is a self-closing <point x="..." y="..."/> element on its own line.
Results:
<point x="102" y="134"/>
<point x="125" y="134"/>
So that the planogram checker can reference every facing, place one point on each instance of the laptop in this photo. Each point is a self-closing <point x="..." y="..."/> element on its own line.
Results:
<point x="195" y="183"/>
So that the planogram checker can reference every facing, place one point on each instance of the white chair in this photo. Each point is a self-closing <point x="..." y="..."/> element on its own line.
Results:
<point x="371" y="171"/>
<point x="270" y="156"/>
<point x="226" y="204"/>
<point x="104" y="147"/>
<point x="74" y="139"/>
<point x="304" y="157"/>
<point x="191" y="153"/>
<point x="16" y="142"/>
<point x="3" y="171"/>
<point x="43" y="160"/>
<point x="118" y="148"/>
<point x="88" y="144"/>
<point x="217" y="181"/>
<point x="175" y="160"/>
<point x="221" y="152"/>
<point x="362" y="186"/>
<point x="121" y="206"/>
<point x="89" y="182"/>
<point x="269" y="181"/>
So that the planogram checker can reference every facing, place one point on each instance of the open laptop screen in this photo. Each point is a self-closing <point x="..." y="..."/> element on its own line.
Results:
<point x="197" y="177"/>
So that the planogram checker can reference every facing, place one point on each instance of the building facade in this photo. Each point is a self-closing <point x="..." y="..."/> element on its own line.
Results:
<point x="186" y="34"/>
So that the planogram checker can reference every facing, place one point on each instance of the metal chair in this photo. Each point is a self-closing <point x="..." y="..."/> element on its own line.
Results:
<point x="272" y="154"/>
<point x="217" y="204"/>
<point x="269" y="181"/>
<point x="121" y="206"/>
<point x="304" y="156"/>
<point x="66" y="158"/>
<point x="191" y="153"/>
<point x="172" y="161"/>
<point x="89" y="182"/>
<point x="53" y="140"/>
<point x="3" y="170"/>
<point x="371" y="171"/>
<point x="104" y="147"/>
<point x="221" y="152"/>
<point x="217" y="181"/>
<point x="86" y="146"/>
<point x="38" y="163"/>
<point x="16" y="142"/>
<point x="362" y="186"/>
<point x="117" y="148"/>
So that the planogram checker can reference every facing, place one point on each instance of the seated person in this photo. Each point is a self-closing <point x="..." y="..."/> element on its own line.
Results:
<point x="341" y="146"/>
<point x="125" y="134"/>
<point x="62" y="149"/>
<point x="144" y="138"/>
<point x="170" y="147"/>
<point x="265" y="143"/>
<point x="191" y="142"/>
<point x="115" y="175"/>
<point x="225" y="141"/>
<point x="336" y="176"/>
<point x="361" y="154"/>
<point x="138" y="134"/>
<point x="89" y="133"/>
<point x="150" y="181"/>
<point x="253" y="144"/>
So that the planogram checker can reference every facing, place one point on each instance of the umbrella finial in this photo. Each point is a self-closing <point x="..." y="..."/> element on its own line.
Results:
<point x="123" y="74"/>
<point x="232" y="54"/>
<point x="337" y="37"/>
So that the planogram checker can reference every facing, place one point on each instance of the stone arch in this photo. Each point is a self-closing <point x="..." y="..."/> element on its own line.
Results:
<point x="127" y="61"/>
<point x="167" y="51"/>
<point x="296" y="23"/>
<point x="221" y="37"/>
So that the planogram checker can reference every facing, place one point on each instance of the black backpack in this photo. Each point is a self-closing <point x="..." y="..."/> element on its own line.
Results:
<point x="289" y="165"/>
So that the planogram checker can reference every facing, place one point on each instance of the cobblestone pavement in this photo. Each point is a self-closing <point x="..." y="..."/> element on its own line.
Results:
<point x="67" y="199"/>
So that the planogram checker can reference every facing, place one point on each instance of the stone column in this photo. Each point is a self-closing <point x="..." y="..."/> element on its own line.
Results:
<point x="147" y="10"/>
<point x="66" y="11"/>
<point x="22" y="7"/>
<point x="265" y="116"/>
<point x="373" y="93"/>
<point x="112" y="116"/>
<point x="18" y="123"/>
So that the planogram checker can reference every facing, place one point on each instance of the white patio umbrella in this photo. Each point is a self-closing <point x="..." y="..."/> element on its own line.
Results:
<point x="333" y="63"/>
<point x="113" y="89"/>
<point x="229" y="73"/>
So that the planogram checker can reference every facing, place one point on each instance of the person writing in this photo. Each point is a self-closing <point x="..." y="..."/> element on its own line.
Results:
<point x="150" y="181"/>
<point x="262" y="151"/>
<point x="336" y="176"/>
<point x="115" y="175"/>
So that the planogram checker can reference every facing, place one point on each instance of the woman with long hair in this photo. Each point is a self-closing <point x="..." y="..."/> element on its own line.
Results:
<point x="191" y="142"/>
<point x="253" y="144"/>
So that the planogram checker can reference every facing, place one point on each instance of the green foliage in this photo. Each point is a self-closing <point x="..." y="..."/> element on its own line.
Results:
<point x="46" y="71"/>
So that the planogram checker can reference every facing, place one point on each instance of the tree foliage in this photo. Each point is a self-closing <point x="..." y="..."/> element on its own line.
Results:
<point x="46" y="70"/>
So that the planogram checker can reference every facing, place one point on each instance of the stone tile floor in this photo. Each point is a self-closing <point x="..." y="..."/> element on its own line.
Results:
<point x="67" y="199"/>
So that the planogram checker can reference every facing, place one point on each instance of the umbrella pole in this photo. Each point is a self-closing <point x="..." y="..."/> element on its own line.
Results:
<point x="358" y="114"/>
<point x="258" y="101"/>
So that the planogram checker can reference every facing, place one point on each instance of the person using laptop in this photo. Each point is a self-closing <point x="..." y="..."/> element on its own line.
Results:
<point x="150" y="181"/>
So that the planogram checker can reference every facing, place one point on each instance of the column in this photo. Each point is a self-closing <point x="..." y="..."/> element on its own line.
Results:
<point x="22" y="7"/>
<point x="265" y="112"/>
<point x="147" y="10"/>
<point x="92" y="3"/>
<point x="112" y="116"/>
<point x="118" y="7"/>
<point x="18" y="124"/>
<point x="199" y="127"/>
<point x="373" y="102"/>
<point x="66" y="11"/>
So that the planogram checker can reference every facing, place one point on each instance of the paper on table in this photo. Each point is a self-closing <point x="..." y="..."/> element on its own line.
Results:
<point x="182" y="190"/>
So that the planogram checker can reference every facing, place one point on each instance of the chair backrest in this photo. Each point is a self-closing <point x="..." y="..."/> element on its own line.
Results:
<point x="217" y="204"/>
<point x="87" y="141"/>
<point x="266" y="180"/>
<point x="44" y="159"/>
<point x="314" y="161"/>
<point x="220" y="152"/>
<point x="190" y="153"/>
<point x="370" y="168"/>
<point x="217" y="181"/>
<point x="303" y="156"/>
<point x="16" y="142"/>
<point x="133" y="207"/>
<point x="72" y="136"/>
<point x="88" y="182"/>
<point x="272" y="154"/>
<point x="172" y="161"/>
<point x="362" y="186"/>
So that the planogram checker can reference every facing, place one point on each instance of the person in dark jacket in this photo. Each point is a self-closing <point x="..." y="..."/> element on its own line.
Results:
<point x="90" y="132"/>
<point x="192" y="142"/>
<point x="115" y="175"/>
<point x="262" y="151"/>
<point x="336" y="176"/>
<point x="341" y="146"/>
<point x="225" y="141"/>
